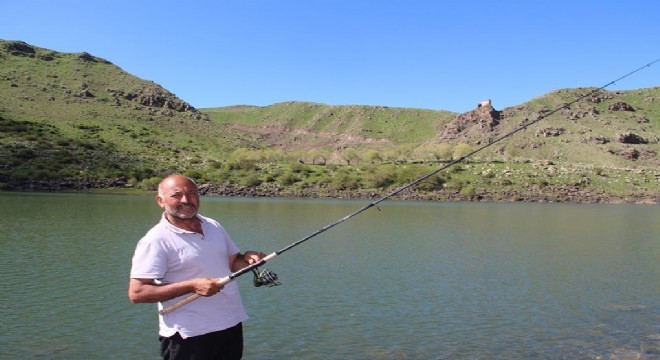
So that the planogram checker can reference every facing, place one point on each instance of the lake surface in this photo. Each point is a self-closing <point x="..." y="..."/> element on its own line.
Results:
<point x="406" y="280"/>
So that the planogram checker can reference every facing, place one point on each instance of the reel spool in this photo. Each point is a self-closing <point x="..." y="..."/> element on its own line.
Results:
<point x="265" y="277"/>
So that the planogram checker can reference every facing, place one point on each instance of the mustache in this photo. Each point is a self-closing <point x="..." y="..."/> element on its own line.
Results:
<point x="186" y="205"/>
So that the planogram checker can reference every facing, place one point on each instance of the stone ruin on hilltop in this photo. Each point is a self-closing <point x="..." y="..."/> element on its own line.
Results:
<point x="483" y="119"/>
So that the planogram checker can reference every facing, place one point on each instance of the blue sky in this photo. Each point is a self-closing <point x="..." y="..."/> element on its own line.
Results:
<point x="443" y="55"/>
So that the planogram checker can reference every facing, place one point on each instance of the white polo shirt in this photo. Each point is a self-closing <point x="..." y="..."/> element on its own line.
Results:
<point x="171" y="254"/>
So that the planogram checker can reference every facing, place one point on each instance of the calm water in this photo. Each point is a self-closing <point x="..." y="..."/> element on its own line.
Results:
<point x="415" y="280"/>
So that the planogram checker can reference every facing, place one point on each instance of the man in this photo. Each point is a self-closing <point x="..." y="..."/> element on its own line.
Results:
<point x="185" y="253"/>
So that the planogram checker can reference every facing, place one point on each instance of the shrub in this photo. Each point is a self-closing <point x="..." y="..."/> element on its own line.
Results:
<point x="150" y="184"/>
<point x="193" y="174"/>
<point x="468" y="191"/>
<point x="454" y="184"/>
<point x="435" y="182"/>
<point x="25" y="154"/>
<point x="456" y="168"/>
<point x="407" y="174"/>
<point x="462" y="150"/>
<point x="299" y="168"/>
<point x="382" y="177"/>
<point x="344" y="181"/>
<point x="251" y="180"/>
<point x="243" y="164"/>
<point x="288" y="179"/>
<point x="214" y="164"/>
<point x="372" y="156"/>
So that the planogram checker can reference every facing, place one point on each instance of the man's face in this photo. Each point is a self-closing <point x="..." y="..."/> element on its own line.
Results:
<point x="179" y="198"/>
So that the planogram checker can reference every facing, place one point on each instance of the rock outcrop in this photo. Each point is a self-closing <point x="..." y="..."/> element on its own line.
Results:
<point x="483" y="119"/>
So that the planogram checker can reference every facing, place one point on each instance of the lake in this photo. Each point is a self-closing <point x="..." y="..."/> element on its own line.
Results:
<point x="405" y="280"/>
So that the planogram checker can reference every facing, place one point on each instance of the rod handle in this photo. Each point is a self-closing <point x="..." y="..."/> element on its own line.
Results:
<point x="221" y="281"/>
<point x="191" y="298"/>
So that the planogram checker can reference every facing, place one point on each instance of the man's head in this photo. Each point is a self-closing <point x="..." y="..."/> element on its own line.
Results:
<point x="178" y="196"/>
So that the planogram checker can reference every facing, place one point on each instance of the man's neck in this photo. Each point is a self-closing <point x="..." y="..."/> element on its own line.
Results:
<point x="193" y="224"/>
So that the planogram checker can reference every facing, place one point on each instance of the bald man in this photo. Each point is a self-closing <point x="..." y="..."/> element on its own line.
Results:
<point x="186" y="253"/>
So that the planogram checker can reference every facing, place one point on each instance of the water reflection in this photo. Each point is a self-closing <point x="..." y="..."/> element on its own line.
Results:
<point x="415" y="280"/>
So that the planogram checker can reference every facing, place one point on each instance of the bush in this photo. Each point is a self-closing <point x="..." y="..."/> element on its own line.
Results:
<point x="25" y="154"/>
<point x="411" y="173"/>
<point x="299" y="168"/>
<point x="456" y="168"/>
<point x="435" y="182"/>
<point x="381" y="177"/>
<point x="344" y="181"/>
<point x="468" y="191"/>
<point x="150" y="184"/>
<point x="243" y="164"/>
<point x="132" y="182"/>
<point x="251" y="180"/>
<point x="288" y="179"/>
<point x="214" y="164"/>
<point x="454" y="184"/>
<point x="193" y="174"/>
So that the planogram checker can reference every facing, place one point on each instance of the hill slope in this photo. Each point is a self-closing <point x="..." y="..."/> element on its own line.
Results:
<point x="608" y="129"/>
<point x="76" y="115"/>
<point x="78" y="121"/>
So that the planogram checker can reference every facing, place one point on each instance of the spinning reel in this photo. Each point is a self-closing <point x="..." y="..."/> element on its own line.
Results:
<point x="265" y="277"/>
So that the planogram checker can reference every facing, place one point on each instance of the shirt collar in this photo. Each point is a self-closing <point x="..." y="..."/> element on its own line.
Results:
<point x="177" y="230"/>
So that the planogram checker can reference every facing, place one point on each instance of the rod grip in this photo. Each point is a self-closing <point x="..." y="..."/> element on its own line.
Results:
<point x="221" y="281"/>
<point x="191" y="298"/>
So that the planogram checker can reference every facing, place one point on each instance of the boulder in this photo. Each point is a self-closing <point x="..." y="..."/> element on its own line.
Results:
<point x="20" y="48"/>
<point x="630" y="138"/>
<point x="621" y="106"/>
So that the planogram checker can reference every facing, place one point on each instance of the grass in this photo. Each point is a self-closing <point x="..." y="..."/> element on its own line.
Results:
<point x="80" y="119"/>
<point x="398" y="125"/>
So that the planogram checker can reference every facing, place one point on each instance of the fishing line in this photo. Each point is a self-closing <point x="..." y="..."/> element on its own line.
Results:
<point x="268" y="278"/>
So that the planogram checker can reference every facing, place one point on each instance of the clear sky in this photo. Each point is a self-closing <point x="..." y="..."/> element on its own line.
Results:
<point x="431" y="54"/>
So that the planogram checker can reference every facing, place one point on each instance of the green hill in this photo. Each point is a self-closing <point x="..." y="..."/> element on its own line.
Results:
<point x="75" y="121"/>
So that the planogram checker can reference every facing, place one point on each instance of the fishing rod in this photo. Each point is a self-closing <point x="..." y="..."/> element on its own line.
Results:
<point x="268" y="278"/>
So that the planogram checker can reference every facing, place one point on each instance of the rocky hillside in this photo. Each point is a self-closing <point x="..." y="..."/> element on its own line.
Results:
<point x="619" y="128"/>
<point x="606" y="128"/>
<point x="77" y="116"/>
<point x="78" y="121"/>
<point x="81" y="79"/>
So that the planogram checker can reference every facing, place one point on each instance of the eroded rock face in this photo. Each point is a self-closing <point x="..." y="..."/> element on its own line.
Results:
<point x="630" y="138"/>
<point x="631" y="154"/>
<point x="86" y="57"/>
<point x="153" y="96"/>
<point x="19" y="48"/>
<point x="621" y="106"/>
<point x="483" y="119"/>
<point x="548" y="132"/>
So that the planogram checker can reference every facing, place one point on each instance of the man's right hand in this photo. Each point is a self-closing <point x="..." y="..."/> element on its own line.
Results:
<point x="206" y="286"/>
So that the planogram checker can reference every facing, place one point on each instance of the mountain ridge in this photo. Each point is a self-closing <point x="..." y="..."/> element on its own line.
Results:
<point x="73" y="120"/>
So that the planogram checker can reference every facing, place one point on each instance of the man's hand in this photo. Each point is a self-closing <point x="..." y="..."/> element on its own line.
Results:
<point x="252" y="257"/>
<point x="148" y="291"/>
<point x="206" y="286"/>
<point x="240" y="261"/>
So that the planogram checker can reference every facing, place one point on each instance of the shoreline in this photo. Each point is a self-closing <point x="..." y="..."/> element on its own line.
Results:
<point x="554" y="194"/>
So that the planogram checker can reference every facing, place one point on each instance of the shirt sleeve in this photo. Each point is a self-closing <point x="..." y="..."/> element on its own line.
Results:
<point x="232" y="248"/>
<point x="149" y="260"/>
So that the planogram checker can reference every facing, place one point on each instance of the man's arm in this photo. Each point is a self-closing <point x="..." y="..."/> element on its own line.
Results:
<point x="147" y="291"/>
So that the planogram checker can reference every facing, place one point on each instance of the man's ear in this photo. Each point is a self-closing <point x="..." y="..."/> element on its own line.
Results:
<point x="159" y="201"/>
